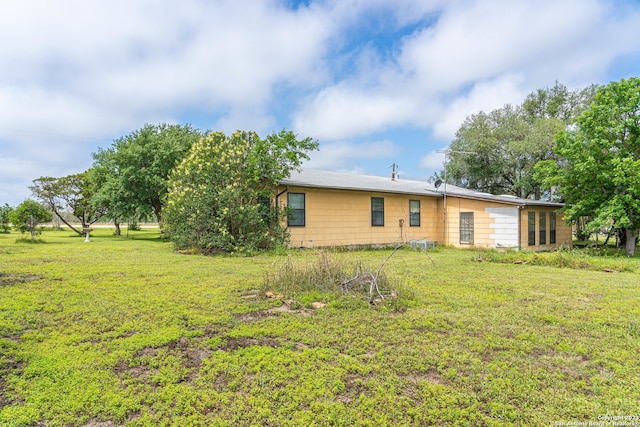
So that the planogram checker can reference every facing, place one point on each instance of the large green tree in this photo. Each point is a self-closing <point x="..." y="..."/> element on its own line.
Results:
<point x="69" y="194"/>
<point x="134" y="171"/>
<point x="506" y="143"/>
<point x="221" y="195"/>
<point x="598" y="172"/>
<point x="5" y="211"/>
<point x="109" y="194"/>
<point x="496" y="152"/>
<point x="558" y="102"/>
<point x="28" y="215"/>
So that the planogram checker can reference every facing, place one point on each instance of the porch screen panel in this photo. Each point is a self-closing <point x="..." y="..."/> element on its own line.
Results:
<point x="466" y="228"/>
<point x="552" y="228"/>
<point x="532" y="228"/>
<point x="543" y="228"/>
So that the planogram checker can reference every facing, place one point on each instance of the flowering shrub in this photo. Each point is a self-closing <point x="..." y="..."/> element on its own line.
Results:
<point x="221" y="195"/>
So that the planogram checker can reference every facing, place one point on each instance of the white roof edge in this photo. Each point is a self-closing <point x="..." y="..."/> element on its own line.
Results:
<point x="316" y="178"/>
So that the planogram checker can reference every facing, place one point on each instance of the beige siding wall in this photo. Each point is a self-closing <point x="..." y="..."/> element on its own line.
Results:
<point x="483" y="223"/>
<point x="343" y="218"/>
<point x="340" y="218"/>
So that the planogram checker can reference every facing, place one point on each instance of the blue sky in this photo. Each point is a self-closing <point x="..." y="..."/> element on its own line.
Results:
<point x="376" y="82"/>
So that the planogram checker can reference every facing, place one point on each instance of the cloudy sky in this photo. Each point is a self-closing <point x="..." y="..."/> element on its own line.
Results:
<point x="376" y="82"/>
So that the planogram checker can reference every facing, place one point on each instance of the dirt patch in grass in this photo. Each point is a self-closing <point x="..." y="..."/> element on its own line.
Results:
<point x="250" y="295"/>
<point x="191" y="356"/>
<point x="96" y="423"/>
<point x="286" y="308"/>
<point x="10" y="366"/>
<point x="255" y="315"/>
<point x="123" y="368"/>
<point x="354" y="386"/>
<point x="147" y="351"/>
<point x="272" y="312"/>
<point x="433" y="376"/>
<point x="243" y="342"/>
<point x="145" y="362"/>
<point x="8" y="279"/>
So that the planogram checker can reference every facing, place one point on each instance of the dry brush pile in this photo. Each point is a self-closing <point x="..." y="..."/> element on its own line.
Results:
<point x="329" y="276"/>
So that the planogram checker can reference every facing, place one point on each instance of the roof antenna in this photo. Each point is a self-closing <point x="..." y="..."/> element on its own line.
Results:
<point x="394" y="172"/>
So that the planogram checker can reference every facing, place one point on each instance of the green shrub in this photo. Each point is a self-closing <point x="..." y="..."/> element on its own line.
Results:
<point x="133" y="226"/>
<point x="578" y="259"/>
<point x="28" y="215"/>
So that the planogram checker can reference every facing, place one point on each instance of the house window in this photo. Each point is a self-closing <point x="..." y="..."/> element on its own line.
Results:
<point x="377" y="211"/>
<point x="466" y="228"/>
<point x="296" y="206"/>
<point x="543" y="228"/>
<point x="532" y="228"/>
<point x="414" y="213"/>
<point x="552" y="228"/>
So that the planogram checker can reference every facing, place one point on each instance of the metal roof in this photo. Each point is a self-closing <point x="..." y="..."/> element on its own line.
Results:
<point x="315" y="178"/>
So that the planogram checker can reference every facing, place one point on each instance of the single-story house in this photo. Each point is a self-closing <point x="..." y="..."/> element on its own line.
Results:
<point x="344" y="209"/>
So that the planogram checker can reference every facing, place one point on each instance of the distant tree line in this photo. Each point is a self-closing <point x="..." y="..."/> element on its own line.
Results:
<point x="207" y="190"/>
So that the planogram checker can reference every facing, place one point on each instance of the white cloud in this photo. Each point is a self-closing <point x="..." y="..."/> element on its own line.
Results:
<point x="144" y="59"/>
<point x="76" y="74"/>
<point x="17" y="174"/>
<point x="341" y="111"/>
<point x="344" y="155"/>
<point x="484" y="39"/>
<point x="433" y="160"/>
<point x="484" y="96"/>
<point x="479" y="55"/>
<point x="47" y="110"/>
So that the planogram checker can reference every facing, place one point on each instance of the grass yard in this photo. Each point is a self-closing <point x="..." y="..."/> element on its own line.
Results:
<point x="126" y="332"/>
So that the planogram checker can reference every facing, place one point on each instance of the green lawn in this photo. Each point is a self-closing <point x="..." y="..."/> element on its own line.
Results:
<point x="127" y="332"/>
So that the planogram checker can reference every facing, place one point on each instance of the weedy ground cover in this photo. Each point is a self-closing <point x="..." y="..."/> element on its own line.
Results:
<point x="607" y="259"/>
<point x="127" y="332"/>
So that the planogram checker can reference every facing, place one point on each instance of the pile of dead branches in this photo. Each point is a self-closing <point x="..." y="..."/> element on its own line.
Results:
<point x="372" y="283"/>
<point x="332" y="273"/>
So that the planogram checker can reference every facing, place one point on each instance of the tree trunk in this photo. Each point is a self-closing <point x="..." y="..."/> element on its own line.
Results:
<point x="622" y="237"/>
<point x="117" y="224"/>
<point x="630" y="244"/>
<point x="66" y="223"/>
<point x="158" y="211"/>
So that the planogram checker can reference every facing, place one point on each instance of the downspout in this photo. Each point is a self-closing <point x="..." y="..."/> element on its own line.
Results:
<point x="280" y="194"/>
<point x="286" y="188"/>
<point x="520" y="227"/>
